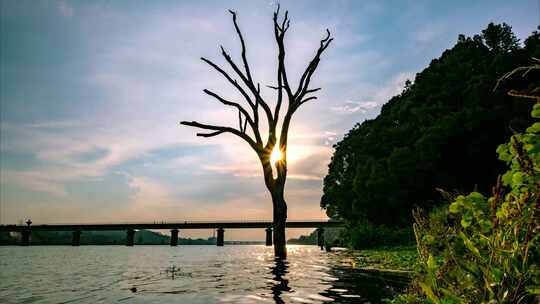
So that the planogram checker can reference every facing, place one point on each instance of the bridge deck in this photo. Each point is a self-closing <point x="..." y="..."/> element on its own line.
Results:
<point x="172" y="225"/>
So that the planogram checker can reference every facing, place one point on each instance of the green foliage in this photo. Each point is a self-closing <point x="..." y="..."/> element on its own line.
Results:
<point x="440" y="132"/>
<point x="394" y="257"/>
<point x="485" y="250"/>
<point x="500" y="38"/>
<point x="331" y="238"/>
<point x="366" y="235"/>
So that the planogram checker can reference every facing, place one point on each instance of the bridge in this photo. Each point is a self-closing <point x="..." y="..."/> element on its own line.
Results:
<point x="130" y="229"/>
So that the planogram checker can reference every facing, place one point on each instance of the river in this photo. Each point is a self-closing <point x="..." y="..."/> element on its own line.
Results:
<point x="183" y="274"/>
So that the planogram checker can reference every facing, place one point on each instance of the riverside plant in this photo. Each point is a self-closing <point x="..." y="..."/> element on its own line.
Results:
<point x="485" y="249"/>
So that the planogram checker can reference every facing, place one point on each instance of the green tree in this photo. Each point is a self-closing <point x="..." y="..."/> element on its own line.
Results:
<point x="499" y="37"/>
<point x="440" y="132"/>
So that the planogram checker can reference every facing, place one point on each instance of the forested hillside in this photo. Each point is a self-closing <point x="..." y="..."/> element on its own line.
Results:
<point x="441" y="132"/>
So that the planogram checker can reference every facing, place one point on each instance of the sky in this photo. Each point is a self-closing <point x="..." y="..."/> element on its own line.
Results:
<point x="91" y="94"/>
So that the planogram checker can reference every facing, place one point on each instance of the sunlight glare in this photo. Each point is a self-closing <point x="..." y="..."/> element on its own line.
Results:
<point x="276" y="155"/>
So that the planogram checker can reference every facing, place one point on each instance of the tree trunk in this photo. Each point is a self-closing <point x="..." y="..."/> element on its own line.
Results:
<point x="280" y="217"/>
<point x="276" y="187"/>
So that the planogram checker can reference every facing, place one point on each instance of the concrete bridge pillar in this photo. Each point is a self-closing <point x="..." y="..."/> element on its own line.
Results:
<point x="76" y="240"/>
<point x="130" y="236"/>
<point x="174" y="237"/>
<point x="320" y="237"/>
<point x="220" y="237"/>
<point x="25" y="237"/>
<point x="268" y="236"/>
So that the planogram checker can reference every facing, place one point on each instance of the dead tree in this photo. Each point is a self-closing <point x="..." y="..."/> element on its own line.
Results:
<point x="249" y="117"/>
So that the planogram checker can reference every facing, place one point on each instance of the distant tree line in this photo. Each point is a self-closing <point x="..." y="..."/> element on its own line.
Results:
<point x="331" y="237"/>
<point x="142" y="237"/>
<point x="440" y="132"/>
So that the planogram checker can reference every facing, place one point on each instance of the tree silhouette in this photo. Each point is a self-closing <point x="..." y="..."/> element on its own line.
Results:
<point x="251" y="92"/>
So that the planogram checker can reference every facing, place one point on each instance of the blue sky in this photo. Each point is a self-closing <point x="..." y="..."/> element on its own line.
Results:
<point x="92" y="93"/>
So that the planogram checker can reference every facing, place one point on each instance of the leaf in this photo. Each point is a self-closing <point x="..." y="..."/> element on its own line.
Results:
<point x="469" y="244"/>
<point x="502" y="150"/>
<point x="535" y="149"/>
<point x="431" y="264"/>
<point x="454" y="207"/>
<point x="486" y="225"/>
<point x="518" y="178"/>
<point x="535" y="128"/>
<point x="476" y="196"/>
<point x="536" y="111"/>
<point x="497" y="274"/>
<point x="468" y="218"/>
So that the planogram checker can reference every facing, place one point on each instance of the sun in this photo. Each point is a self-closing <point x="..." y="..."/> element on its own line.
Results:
<point x="276" y="155"/>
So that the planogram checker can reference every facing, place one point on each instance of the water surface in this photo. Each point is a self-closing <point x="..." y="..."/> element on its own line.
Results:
<point x="183" y="274"/>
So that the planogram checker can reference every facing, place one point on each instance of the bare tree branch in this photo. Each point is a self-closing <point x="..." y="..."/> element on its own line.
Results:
<point x="312" y="90"/>
<point x="306" y="76"/>
<point x="240" y="122"/>
<point x="244" y="58"/>
<point x="245" y="126"/>
<point x="306" y="100"/>
<point x="249" y="84"/>
<point x="210" y="134"/>
<point x="282" y="81"/>
<point x="232" y="104"/>
<point x="232" y="81"/>
<point x="296" y="99"/>
<point x="279" y="32"/>
<point x="220" y="130"/>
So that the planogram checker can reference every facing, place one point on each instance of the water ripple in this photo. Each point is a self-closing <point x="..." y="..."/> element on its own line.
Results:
<point x="185" y="274"/>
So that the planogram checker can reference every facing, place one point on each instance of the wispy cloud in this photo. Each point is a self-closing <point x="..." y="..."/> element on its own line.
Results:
<point x="355" y="106"/>
<point x="35" y="181"/>
<point x="375" y="96"/>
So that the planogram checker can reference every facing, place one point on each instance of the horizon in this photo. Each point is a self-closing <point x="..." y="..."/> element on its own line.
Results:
<point x="92" y="93"/>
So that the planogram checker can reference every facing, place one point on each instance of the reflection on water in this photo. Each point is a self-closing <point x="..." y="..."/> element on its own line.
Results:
<point x="184" y="274"/>
<point x="280" y="284"/>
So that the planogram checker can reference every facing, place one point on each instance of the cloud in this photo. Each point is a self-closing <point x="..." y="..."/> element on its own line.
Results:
<point x="375" y="97"/>
<point x="73" y="153"/>
<point x="355" y="106"/>
<point x="149" y="194"/>
<point x="33" y="180"/>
